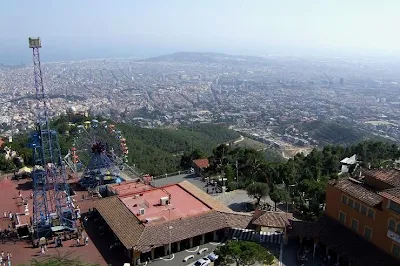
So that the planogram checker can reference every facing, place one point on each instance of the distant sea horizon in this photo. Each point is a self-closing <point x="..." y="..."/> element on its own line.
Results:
<point x="23" y="56"/>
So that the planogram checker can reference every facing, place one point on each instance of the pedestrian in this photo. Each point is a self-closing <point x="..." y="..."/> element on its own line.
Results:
<point x="42" y="249"/>
<point x="2" y="254"/>
<point x="86" y="240"/>
<point x="5" y="214"/>
<point x="10" y="215"/>
<point x="78" y="242"/>
<point x="9" y="256"/>
<point x="45" y="247"/>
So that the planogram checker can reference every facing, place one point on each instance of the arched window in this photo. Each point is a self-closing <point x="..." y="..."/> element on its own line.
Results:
<point x="392" y="224"/>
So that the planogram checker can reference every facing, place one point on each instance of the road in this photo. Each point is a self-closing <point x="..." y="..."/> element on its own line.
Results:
<point x="177" y="258"/>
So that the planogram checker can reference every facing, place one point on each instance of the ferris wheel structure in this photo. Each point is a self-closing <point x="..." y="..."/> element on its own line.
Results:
<point x="101" y="150"/>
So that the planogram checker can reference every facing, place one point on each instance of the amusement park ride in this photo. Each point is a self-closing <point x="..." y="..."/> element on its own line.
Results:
<point x="108" y="153"/>
<point x="53" y="209"/>
<point x="99" y="147"/>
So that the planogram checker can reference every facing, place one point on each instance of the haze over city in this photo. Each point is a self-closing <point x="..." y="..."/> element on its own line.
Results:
<point x="97" y="29"/>
<point x="200" y="133"/>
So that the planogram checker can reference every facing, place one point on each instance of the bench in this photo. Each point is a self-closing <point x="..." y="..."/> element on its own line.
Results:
<point x="203" y="250"/>
<point x="188" y="258"/>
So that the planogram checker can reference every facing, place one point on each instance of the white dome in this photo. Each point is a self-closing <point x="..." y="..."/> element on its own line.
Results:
<point x="72" y="109"/>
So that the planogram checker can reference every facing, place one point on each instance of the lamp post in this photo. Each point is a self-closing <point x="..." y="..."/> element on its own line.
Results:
<point x="170" y="236"/>
<point x="288" y="190"/>
<point x="170" y="230"/>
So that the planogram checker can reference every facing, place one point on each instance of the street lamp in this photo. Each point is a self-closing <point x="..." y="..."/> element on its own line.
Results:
<point x="170" y="236"/>
<point x="288" y="190"/>
<point x="169" y="229"/>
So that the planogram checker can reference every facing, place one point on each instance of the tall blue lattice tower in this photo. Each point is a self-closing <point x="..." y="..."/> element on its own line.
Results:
<point x="52" y="205"/>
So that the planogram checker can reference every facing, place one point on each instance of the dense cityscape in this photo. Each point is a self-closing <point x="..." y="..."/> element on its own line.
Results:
<point x="271" y="98"/>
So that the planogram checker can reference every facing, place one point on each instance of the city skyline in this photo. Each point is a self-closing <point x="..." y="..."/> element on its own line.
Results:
<point x="76" y="30"/>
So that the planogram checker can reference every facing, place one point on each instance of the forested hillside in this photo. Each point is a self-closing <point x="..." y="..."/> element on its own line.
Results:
<point x="159" y="151"/>
<point x="155" y="151"/>
<point x="334" y="132"/>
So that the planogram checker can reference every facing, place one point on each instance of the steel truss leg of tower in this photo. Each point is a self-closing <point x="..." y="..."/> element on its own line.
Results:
<point x="51" y="191"/>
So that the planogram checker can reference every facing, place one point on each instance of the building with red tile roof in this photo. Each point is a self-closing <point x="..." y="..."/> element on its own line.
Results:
<point x="200" y="165"/>
<point x="369" y="206"/>
<point x="146" y="219"/>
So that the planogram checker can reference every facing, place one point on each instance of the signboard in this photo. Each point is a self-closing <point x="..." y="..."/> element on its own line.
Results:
<point x="392" y="235"/>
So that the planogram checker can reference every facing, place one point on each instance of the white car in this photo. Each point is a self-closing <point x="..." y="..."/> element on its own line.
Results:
<point x="212" y="256"/>
<point x="202" y="262"/>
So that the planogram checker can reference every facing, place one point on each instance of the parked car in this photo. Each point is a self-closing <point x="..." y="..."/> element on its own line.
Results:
<point x="202" y="262"/>
<point x="212" y="256"/>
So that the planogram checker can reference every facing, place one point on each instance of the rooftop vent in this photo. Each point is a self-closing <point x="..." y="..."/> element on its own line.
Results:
<point x="141" y="211"/>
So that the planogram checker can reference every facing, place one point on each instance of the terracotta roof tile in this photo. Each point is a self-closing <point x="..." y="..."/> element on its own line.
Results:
<point x="389" y="176"/>
<point x="237" y="219"/>
<point x="201" y="163"/>
<point x="121" y="220"/>
<point x="358" y="191"/>
<point x="392" y="194"/>
<point x="158" y="235"/>
<point x="204" y="197"/>
<point x="274" y="219"/>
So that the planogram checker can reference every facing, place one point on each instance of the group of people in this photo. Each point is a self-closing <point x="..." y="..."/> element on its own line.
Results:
<point x="5" y="259"/>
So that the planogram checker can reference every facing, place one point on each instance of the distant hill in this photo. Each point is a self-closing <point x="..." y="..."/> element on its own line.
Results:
<point x="207" y="58"/>
<point x="333" y="132"/>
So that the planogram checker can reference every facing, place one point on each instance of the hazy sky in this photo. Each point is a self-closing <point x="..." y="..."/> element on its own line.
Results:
<point x="94" y="28"/>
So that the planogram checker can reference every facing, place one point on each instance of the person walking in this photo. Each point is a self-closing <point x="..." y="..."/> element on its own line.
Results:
<point x="86" y="240"/>
<point x="78" y="242"/>
<point x="42" y="249"/>
<point x="9" y="255"/>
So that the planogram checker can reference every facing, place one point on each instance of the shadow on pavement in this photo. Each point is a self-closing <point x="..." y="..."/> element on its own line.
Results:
<point x="103" y="243"/>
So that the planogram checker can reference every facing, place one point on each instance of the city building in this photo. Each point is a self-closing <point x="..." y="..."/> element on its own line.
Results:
<point x="149" y="222"/>
<point x="369" y="206"/>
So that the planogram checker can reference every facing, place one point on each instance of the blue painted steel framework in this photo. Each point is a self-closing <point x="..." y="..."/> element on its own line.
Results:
<point x="51" y="199"/>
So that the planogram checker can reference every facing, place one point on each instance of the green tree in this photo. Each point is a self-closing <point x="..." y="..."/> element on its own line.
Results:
<point x="257" y="190"/>
<point x="278" y="195"/>
<point x="6" y="165"/>
<point x="187" y="158"/>
<point x="244" y="253"/>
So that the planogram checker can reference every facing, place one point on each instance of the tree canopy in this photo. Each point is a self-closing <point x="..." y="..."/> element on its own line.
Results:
<point x="243" y="253"/>
<point x="278" y="195"/>
<point x="258" y="191"/>
<point x="305" y="177"/>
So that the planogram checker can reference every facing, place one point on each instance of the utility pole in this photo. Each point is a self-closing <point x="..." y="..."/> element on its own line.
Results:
<point x="192" y="130"/>
<point x="237" y="171"/>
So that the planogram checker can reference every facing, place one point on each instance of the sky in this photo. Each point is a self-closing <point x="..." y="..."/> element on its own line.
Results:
<point x="78" y="29"/>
